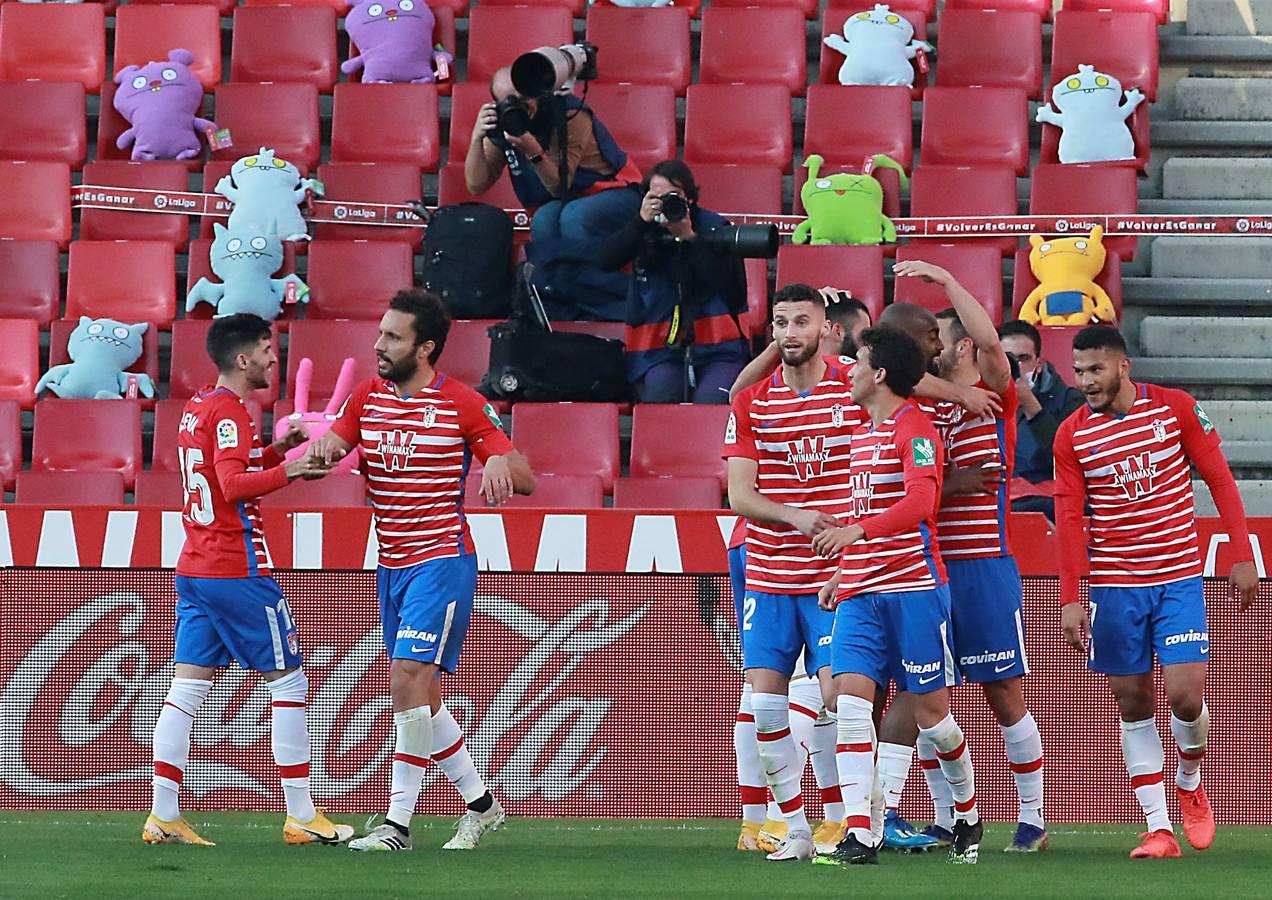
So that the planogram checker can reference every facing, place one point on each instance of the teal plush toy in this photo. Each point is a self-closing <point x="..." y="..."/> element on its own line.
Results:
<point x="845" y="208"/>
<point x="101" y="350"/>
<point x="245" y="260"/>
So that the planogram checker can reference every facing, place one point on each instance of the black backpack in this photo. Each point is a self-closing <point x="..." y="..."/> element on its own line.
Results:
<point x="528" y="362"/>
<point x="467" y="258"/>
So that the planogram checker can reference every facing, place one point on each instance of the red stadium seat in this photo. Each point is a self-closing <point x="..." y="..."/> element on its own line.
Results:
<point x="394" y="123"/>
<point x="29" y="280"/>
<point x="467" y="98"/>
<point x="1123" y="44"/>
<point x="979" y="269"/>
<point x="395" y="183"/>
<point x="281" y="116"/>
<point x="10" y="442"/>
<point x="1040" y="8"/>
<point x="213" y="172"/>
<point x="71" y="489"/>
<point x="200" y="266"/>
<point x="858" y="270"/>
<point x="642" y="46"/>
<point x="43" y="120"/>
<point x="833" y="23"/>
<point x="88" y="436"/>
<point x="976" y="126"/>
<point x="576" y="7"/>
<point x="1140" y="134"/>
<point x="355" y="279"/>
<point x="941" y="191"/>
<point x="807" y="7"/>
<point x="131" y="281"/>
<point x="154" y="175"/>
<point x="167" y="427"/>
<point x="192" y="369"/>
<point x="53" y="42"/>
<point x="550" y="492"/>
<point x="285" y="43"/>
<point x="991" y="48"/>
<point x="466" y="356"/>
<point x="451" y="188"/>
<point x="1110" y="279"/>
<point x="739" y="189"/>
<point x="1080" y="190"/>
<point x="1057" y="348"/>
<point x="148" y="363"/>
<point x="729" y="37"/>
<point x="20" y="363"/>
<point x="569" y="438"/>
<point x="1160" y="9"/>
<point x="757" y="295"/>
<point x="35" y="201"/>
<point x="145" y="33"/>
<point x="680" y="440"/>
<point x="223" y="7"/>
<point x="328" y="343"/>
<point x="337" y="491"/>
<point x="159" y="489"/>
<point x="715" y="132"/>
<point x="879" y="123"/>
<point x="499" y="34"/>
<point x="667" y="493"/>
<point x="641" y="117"/>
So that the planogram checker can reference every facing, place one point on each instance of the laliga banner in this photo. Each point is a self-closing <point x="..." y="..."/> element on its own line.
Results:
<point x="580" y="695"/>
<point x="347" y="212"/>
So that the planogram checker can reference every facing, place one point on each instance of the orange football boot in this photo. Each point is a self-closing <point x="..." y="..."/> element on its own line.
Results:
<point x="1199" y="818"/>
<point x="1156" y="845"/>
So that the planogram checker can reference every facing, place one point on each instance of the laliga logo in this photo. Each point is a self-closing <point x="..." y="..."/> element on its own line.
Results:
<point x="161" y="201"/>
<point x="1243" y="225"/>
<point x="1062" y="225"/>
<point x="340" y="212"/>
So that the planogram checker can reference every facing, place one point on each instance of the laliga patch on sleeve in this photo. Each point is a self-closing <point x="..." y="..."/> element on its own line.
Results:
<point x="1207" y="426"/>
<point x="492" y="416"/>
<point x="731" y="429"/>
<point x="924" y="451"/>
<point x="226" y="434"/>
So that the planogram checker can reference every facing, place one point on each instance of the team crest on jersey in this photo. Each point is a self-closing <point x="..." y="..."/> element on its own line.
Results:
<point x="860" y="483"/>
<point x="226" y="434"/>
<point x="837" y="416"/>
<point x="924" y="451"/>
<point x="1135" y="475"/>
<point x="731" y="430"/>
<point x="395" y="448"/>
<point x="1159" y="431"/>
<point x="808" y="455"/>
<point x="1207" y="426"/>
<point x="430" y="416"/>
<point x="876" y="454"/>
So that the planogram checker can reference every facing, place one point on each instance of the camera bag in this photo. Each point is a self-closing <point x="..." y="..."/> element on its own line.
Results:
<point x="528" y="362"/>
<point x="467" y="249"/>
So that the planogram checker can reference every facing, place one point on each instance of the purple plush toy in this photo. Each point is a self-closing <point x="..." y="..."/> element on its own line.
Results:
<point x="395" y="42"/>
<point x="161" y="102"/>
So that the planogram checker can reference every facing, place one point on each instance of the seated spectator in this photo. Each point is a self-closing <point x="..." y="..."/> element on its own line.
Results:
<point x="1045" y="402"/>
<point x="684" y="340"/>
<point x="569" y="218"/>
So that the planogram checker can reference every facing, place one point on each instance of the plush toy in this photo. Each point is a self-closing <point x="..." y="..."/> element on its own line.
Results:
<point x="1067" y="293"/>
<point x="319" y="423"/>
<point x="639" y="3"/>
<point x="877" y="46"/>
<point x="245" y="259"/>
<point x="267" y="192"/>
<point x="844" y="208"/>
<point x="100" y="351"/>
<point x="1092" y="117"/>
<point x="395" y="42"/>
<point x="161" y="102"/>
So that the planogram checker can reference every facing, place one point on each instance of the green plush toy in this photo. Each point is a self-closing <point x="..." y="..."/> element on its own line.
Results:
<point x="845" y="208"/>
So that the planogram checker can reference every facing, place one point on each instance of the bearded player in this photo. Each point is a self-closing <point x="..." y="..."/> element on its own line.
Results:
<point x="228" y="605"/>
<point x="1127" y="453"/>
<point x="417" y="430"/>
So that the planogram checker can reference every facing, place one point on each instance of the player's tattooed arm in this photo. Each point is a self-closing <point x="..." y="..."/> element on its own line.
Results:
<point x="746" y="501"/>
<point x="757" y="369"/>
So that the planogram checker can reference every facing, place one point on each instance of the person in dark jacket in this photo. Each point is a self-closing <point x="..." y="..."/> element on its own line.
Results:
<point x="1045" y="401"/>
<point x="685" y="339"/>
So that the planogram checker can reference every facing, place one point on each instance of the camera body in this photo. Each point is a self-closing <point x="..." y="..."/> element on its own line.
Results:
<point x="514" y="116"/>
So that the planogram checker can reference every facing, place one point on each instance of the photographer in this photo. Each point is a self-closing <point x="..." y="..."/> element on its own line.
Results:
<point x="684" y="339"/>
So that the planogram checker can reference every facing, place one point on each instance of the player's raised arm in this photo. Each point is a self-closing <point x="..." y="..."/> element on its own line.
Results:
<point x="757" y="369"/>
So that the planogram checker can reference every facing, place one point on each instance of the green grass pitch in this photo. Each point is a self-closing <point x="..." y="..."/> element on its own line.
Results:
<point x="100" y="855"/>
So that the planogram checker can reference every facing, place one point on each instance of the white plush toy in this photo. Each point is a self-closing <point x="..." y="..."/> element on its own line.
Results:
<point x="267" y="192"/>
<point x="877" y="47"/>
<point x="1092" y="117"/>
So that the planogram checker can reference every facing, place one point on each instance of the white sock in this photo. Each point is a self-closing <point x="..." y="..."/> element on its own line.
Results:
<point x="803" y="722"/>
<point x="825" y="769"/>
<point x="1142" y="749"/>
<point x="777" y="753"/>
<point x="172" y="744"/>
<point x="452" y="756"/>
<point x="289" y="737"/>
<point x="894" y="769"/>
<point x="1190" y="737"/>
<point x="938" y="787"/>
<point x="414" y="729"/>
<point x="752" y="790"/>
<point x="854" y="753"/>
<point x="1024" y="758"/>
<point x="956" y="765"/>
<point x="878" y="810"/>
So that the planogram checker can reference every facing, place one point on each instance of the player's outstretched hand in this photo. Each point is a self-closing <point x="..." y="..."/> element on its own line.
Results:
<point x="496" y="481"/>
<point x="1244" y="579"/>
<point x="980" y="402"/>
<point x="810" y="522"/>
<point x="308" y="466"/>
<point x="295" y="435"/>
<point x="1075" y="625"/>
<point x="831" y="542"/>
<point x="917" y="268"/>
<point x="327" y="456"/>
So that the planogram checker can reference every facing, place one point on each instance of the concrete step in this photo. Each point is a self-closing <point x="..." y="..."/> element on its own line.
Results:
<point x="1242" y="375"/>
<point x="1224" y="99"/>
<point x="1211" y="257"/>
<point x="1257" y="496"/>
<point x="1230" y="16"/>
<point x="1237" y="292"/>
<point x="1210" y="178"/>
<point x="1175" y="49"/>
<point x="1209" y="133"/>
<point x="1248" y="454"/>
<point x="1243" y="421"/>
<point x="1198" y="337"/>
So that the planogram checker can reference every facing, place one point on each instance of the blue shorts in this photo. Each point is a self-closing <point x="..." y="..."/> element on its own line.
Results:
<point x="989" y="635"/>
<point x="425" y="609"/>
<point x="905" y="637"/>
<point x="776" y="628"/>
<point x="1130" y="624"/>
<point x="737" y="578"/>
<point x="243" y="619"/>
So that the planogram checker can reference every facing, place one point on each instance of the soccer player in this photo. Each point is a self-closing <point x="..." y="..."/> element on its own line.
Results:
<point x="985" y="587"/>
<point x="786" y="443"/>
<point x="1127" y="453"/>
<point x="228" y="606"/>
<point x="418" y="430"/>
<point x="890" y="599"/>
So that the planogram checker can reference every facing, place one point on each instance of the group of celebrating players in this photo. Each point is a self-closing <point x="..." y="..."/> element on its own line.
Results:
<point x="872" y="549"/>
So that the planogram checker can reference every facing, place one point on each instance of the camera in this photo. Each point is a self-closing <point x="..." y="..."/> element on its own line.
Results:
<point x="514" y="117"/>
<point x="553" y="70"/>
<point x="674" y="207"/>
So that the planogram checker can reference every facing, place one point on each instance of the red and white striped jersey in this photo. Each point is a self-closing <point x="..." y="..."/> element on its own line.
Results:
<point x="416" y="452"/>
<point x="800" y="443"/>
<point x="974" y="526"/>
<point x="887" y="462"/>
<point x="1134" y="472"/>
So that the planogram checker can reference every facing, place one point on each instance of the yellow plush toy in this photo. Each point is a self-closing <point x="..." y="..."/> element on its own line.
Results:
<point x="1067" y="293"/>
